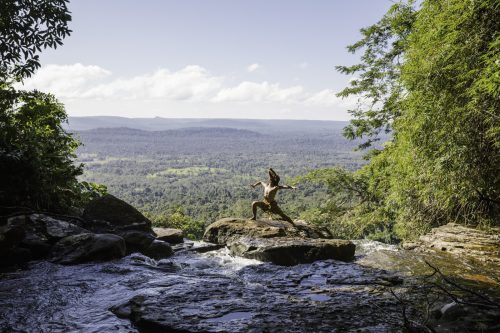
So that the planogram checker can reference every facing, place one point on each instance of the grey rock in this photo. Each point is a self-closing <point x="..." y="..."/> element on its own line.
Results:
<point x="207" y="247"/>
<point x="53" y="229"/>
<point x="158" y="250"/>
<point x="35" y="233"/>
<point x="15" y="256"/>
<point x="292" y="251"/>
<point x="229" y="229"/>
<point x="463" y="240"/>
<point x="12" y="233"/>
<point x="87" y="247"/>
<point x="171" y="235"/>
<point x="110" y="214"/>
<point x="137" y="241"/>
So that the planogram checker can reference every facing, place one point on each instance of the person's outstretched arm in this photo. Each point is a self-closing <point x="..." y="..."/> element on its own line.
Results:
<point x="256" y="184"/>
<point x="287" y="187"/>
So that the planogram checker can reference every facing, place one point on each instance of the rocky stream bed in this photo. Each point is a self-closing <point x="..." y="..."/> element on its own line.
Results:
<point x="109" y="271"/>
<point x="215" y="292"/>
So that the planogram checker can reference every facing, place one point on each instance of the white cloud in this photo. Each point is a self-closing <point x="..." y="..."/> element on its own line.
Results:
<point x="328" y="97"/>
<point x="253" y="67"/>
<point x="68" y="81"/>
<point x="259" y="92"/>
<point x="190" y="83"/>
<point x="193" y="83"/>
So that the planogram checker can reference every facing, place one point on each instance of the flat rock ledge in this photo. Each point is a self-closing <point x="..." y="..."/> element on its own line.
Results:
<point x="227" y="230"/>
<point x="292" y="251"/>
<point x="460" y="240"/>
<point x="279" y="242"/>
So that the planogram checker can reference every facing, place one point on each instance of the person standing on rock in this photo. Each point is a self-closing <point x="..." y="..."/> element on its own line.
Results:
<point x="270" y="190"/>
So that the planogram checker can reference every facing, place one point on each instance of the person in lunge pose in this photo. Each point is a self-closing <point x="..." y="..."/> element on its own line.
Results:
<point x="270" y="190"/>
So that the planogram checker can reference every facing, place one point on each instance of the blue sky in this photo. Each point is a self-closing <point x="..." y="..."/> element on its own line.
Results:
<point x="194" y="58"/>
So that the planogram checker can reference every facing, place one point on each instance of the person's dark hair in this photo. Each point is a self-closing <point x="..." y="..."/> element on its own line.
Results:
<point x="274" y="179"/>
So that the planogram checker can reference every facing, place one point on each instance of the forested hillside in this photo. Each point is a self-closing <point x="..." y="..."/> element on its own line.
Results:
<point x="430" y="76"/>
<point x="190" y="177"/>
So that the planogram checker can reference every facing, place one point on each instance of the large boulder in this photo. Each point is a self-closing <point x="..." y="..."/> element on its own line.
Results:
<point x="279" y="242"/>
<point x="171" y="235"/>
<point x="137" y="241"/>
<point x="35" y="233"/>
<point x="159" y="250"/>
<point x="87" y="247"/>
<point x="11" y="234"/>
<point x="292" y="251"/>
<point x="229" y="229"/>
<point x="45" y="227"/>
<point x="110" y="214"/>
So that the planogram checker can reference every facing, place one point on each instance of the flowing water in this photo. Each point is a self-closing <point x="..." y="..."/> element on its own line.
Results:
<point x="215" y="292"/>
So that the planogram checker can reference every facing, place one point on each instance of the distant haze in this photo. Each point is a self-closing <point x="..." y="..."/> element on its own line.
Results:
<point x="265" y="126"/>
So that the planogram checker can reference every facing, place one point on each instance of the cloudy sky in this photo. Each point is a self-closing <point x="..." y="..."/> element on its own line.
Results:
<point x="207" y="58"/>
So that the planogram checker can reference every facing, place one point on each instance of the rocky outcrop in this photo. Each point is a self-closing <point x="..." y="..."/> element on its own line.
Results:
<point x="137" y="241"/>
<point x="170" y="235"/>
<point x="108" y="224"/>
<point x="279" y="242"/>
<point x="112" y="215"/>
<point x="158" y="250"/>
<point x="30" y="236"/>
<point x="461" y="240"/>
<point x="292" y="251"/>
<point x="87" y="247"/>
<point x="229" y="229"/>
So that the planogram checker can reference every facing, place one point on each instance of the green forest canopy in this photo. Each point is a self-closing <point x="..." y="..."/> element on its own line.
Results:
<point x="37" y="155"/>
<point x="431" y="76"/>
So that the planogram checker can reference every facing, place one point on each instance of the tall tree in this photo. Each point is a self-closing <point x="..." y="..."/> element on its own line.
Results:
<point x="376" y="80"/>
<point x="432" y="77"/>
<point x="27" y="27"/>
<point x="37" y="166"/>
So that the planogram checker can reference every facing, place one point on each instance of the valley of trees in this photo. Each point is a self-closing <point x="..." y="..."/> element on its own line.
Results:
<point x="190" y="177"/>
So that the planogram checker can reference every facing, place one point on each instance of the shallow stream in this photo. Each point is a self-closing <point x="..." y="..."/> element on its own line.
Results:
<point x="214" y="292"/>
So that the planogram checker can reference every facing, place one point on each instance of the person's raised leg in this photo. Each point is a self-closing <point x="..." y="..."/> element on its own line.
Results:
<point x="275" y="209"/>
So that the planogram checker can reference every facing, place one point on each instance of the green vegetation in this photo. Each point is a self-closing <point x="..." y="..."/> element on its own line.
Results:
<point x="188" y="178"/>
<point x="27" y="27"/>
<point x="36" y="154"/>
<point x="432" y="77"/>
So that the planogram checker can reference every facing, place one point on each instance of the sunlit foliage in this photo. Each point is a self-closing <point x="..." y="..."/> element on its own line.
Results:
<point x="441" y="99"/>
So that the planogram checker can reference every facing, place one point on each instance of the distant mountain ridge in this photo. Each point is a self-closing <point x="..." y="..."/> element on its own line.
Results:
<point x="181" y="132"/>
<point x="161" y="124"/>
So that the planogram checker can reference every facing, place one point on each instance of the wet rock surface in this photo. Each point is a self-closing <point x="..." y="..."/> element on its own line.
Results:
<point x="215" y="292"/>
<point x="461" y="240"/>
<point x="87" y="247"/>
<point x="158" y="250"/>
<point x="292" y="251"/>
